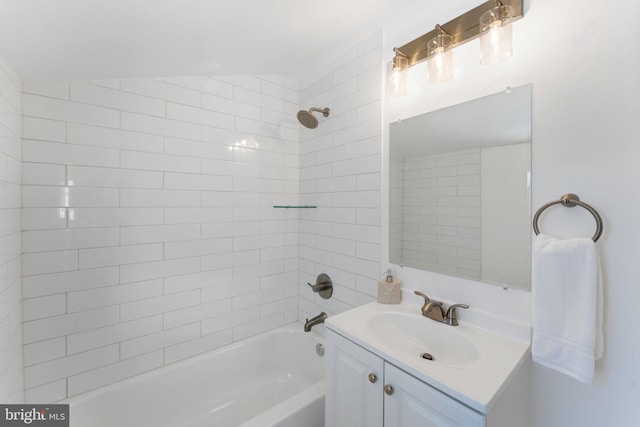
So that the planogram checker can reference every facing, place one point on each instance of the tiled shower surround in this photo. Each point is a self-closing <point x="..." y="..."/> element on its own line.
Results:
<point x="340" y="171"/>
<point x="149" y="233"/>
<point x="149" y="228"/>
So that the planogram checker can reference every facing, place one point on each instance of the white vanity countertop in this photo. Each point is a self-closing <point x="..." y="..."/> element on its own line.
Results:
<point x="475" y="382"/>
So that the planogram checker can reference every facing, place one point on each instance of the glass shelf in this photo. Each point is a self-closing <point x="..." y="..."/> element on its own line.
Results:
<point x="296" y="207"/>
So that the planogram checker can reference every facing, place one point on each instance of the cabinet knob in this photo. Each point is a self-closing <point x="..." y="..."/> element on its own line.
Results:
<point x="388" y="389"/>
<point x="373" y="378"/>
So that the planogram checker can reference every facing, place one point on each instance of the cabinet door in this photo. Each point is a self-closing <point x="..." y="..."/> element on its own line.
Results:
<point x="353" y="398"/>
<point x="414" y="403"/>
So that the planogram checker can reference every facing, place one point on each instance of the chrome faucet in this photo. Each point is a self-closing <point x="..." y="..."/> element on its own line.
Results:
<point x="433" y="310"/>
<point x="310" y="323"/>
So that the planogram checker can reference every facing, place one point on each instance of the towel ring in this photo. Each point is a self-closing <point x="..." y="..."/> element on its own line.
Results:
<point x="570" y="200"/>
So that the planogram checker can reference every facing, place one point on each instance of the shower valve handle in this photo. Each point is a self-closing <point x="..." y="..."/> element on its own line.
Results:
<point x="321" y="286"/>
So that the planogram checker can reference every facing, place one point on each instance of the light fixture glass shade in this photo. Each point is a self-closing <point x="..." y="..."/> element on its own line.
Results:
<point x="496" y="35"/>
<point x="440" y="58"/>
<point x="397" y="76"/>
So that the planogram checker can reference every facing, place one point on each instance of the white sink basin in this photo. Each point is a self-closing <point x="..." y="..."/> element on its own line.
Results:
<point x="470" y="363"/>
<point x="416" y="335"/>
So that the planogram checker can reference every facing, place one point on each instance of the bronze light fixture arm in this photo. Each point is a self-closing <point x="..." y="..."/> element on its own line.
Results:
<point x="464" y="28"/>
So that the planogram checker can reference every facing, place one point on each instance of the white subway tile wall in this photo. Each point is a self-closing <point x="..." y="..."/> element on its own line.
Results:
<point x="149" y="233"/>
<point x="340" y="172"/>
<point x="11" y="360"/>
<point x="149" y="229"/>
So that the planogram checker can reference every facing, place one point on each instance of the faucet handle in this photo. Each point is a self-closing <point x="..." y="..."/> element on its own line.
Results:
<point x="452" y="315"/>
<point x="323" y="286"/>
<point x="426" y="298"/>
<point x="319" y="287"/>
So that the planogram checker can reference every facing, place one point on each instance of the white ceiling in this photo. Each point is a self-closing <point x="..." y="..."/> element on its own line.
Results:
<point x="49" y="40"/>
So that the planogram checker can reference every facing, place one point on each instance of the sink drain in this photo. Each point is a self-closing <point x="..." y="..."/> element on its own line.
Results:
<point x="427" y="356"/>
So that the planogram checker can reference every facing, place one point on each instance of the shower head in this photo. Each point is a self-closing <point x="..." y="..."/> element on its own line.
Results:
<point x="307" y="119"/>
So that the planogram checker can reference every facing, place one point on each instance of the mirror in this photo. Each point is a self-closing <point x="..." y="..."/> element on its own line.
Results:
<point x="460" y="190"/>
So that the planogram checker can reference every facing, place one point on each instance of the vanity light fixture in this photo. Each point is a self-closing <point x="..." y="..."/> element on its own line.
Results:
<point x="496" y="34"/>
<point x="397" y="74"/>
<point x="496" y="15"/>
<point x="440" y="57"/>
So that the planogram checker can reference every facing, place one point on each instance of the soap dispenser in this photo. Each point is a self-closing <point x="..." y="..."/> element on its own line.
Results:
<point x="389" y="291"/>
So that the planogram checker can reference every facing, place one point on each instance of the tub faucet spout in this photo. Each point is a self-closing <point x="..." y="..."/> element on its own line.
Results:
<point x="310" y="323"/>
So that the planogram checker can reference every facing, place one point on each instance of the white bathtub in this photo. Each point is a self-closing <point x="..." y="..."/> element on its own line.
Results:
<point x="273" y="379"/>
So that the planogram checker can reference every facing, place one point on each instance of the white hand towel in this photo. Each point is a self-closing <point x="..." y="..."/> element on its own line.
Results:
<point x="567" y="305"/>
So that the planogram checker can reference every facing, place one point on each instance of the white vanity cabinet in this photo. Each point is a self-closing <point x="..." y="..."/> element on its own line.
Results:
<point x="355" y="378"/>
<point x="414" y="403"/>
<point x="365" y="390"/>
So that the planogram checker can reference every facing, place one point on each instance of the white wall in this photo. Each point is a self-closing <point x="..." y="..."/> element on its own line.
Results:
<point x="149" y="232"/>
<point x="582" y="60"/>
<point x="11" y="388"/>
<point x="340" y="173"/>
